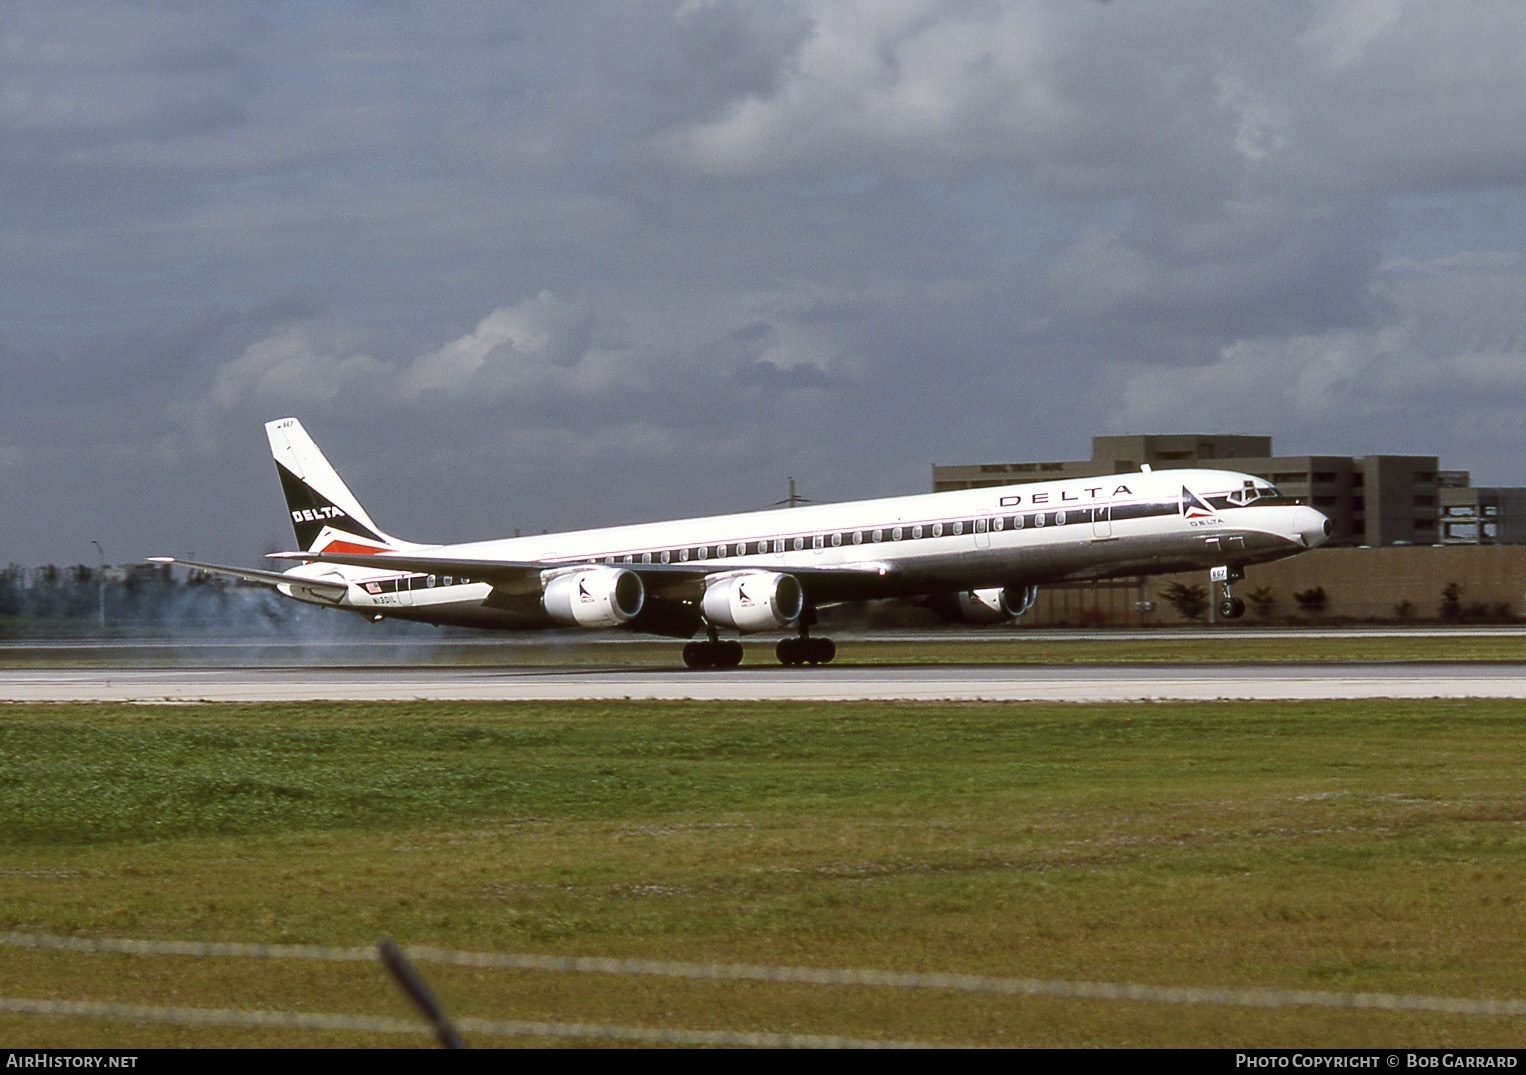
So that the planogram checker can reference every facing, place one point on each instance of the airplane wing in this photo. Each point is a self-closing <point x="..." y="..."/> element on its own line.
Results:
<point x="828" y="582"/>
<point x="319" y="587"/>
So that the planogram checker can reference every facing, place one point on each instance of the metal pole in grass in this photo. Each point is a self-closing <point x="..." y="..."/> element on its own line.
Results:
<point x="419" y="992"/>
<point x="101" y="580"/>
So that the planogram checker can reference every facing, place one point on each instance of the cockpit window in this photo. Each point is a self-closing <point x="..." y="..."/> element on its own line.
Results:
<point x="1252" y="491"/>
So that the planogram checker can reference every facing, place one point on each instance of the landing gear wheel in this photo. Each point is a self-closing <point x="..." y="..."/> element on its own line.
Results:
<point x="1231" y="608"/>
<point x="712" y="654"/>
<point x="795" y="652"/>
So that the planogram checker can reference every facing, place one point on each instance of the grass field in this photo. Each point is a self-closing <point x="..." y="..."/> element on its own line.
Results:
<point x="1340" y="846"/>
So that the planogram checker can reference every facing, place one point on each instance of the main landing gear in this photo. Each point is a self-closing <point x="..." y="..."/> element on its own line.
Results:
<point x="715" y="653"/>
<point x="805" y="650"/>
<point x="1231" y="607"/>
<point x="794" y="652"/>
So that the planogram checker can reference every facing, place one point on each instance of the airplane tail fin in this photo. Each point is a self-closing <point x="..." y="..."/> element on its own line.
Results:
<point x="324" y="513"/>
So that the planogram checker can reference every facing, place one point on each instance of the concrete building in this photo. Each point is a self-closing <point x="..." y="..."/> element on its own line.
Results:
<point x="1484" y="516"/>
<point x="1371" y="500"/>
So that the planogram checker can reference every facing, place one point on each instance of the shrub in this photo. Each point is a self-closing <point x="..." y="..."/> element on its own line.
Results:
<point x="1191" y="601"/>
<point x="1313" y="601"/>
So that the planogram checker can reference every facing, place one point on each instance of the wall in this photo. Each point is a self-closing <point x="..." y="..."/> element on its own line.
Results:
<point x="1360" y="584"/>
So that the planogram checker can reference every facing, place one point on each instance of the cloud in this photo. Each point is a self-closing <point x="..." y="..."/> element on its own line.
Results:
<point x="508" y="351"/>
<point x="534" y="348"/>
<point x="289" y="368"/>
<point x="1442" y="368"/>
<point x="835" y="238"/>
<point x="91" y="79"/>
<point x="875" y="76"/>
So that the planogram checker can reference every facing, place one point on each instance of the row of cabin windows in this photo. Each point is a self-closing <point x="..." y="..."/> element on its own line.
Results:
<point x="994" y="524"/>
<point x="915" y="532"/>
<point x="415" y="582"/>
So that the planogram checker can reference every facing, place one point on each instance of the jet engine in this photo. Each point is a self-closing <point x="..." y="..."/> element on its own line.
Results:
<point x="594" y="597"/>
<point x="995" y="604"/>
<point x="753" y="600"/>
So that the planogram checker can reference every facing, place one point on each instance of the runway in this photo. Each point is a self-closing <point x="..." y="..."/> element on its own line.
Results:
<point x="986" y="682"/>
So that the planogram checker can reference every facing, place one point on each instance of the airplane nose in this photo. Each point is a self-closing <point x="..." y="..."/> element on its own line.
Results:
<point x="1313" y="527"/>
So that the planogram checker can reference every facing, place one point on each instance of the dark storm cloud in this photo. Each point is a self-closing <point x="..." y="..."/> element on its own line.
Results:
<point x="561" y="264"/>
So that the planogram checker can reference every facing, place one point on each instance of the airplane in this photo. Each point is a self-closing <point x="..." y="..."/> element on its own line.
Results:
<point x="973" y="556"/>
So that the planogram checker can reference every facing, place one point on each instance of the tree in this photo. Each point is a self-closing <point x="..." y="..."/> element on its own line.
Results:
<point x="1261" y="600"/>
<point x="1311" y="601"/>
<point x="1190" y="601"/>
<point x="1451" y="602"/>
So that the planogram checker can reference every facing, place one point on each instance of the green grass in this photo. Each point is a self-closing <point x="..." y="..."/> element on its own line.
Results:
<point x="1341" y="846"/>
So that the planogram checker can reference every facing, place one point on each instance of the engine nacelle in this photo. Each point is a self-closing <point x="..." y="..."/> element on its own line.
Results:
<point x="753" y="601"/>
<point x="594" y="597"/>
<point x="1019" y="599"/>
<point x="995" y="604"/>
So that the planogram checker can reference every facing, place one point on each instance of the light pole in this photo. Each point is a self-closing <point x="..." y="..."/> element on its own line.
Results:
<point x="101" y="578"/>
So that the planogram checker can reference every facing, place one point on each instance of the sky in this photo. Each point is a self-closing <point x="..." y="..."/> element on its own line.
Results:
<point x="549" y="265"/>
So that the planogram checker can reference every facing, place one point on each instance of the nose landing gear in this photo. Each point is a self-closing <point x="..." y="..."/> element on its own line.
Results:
<point x="1231" y="607"/>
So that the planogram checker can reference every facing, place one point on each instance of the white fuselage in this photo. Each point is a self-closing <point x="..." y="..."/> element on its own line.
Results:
<point x="1124" y="524"/>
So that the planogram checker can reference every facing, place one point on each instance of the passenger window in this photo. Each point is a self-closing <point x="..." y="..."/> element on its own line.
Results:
<point x="1059" y="518"/>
